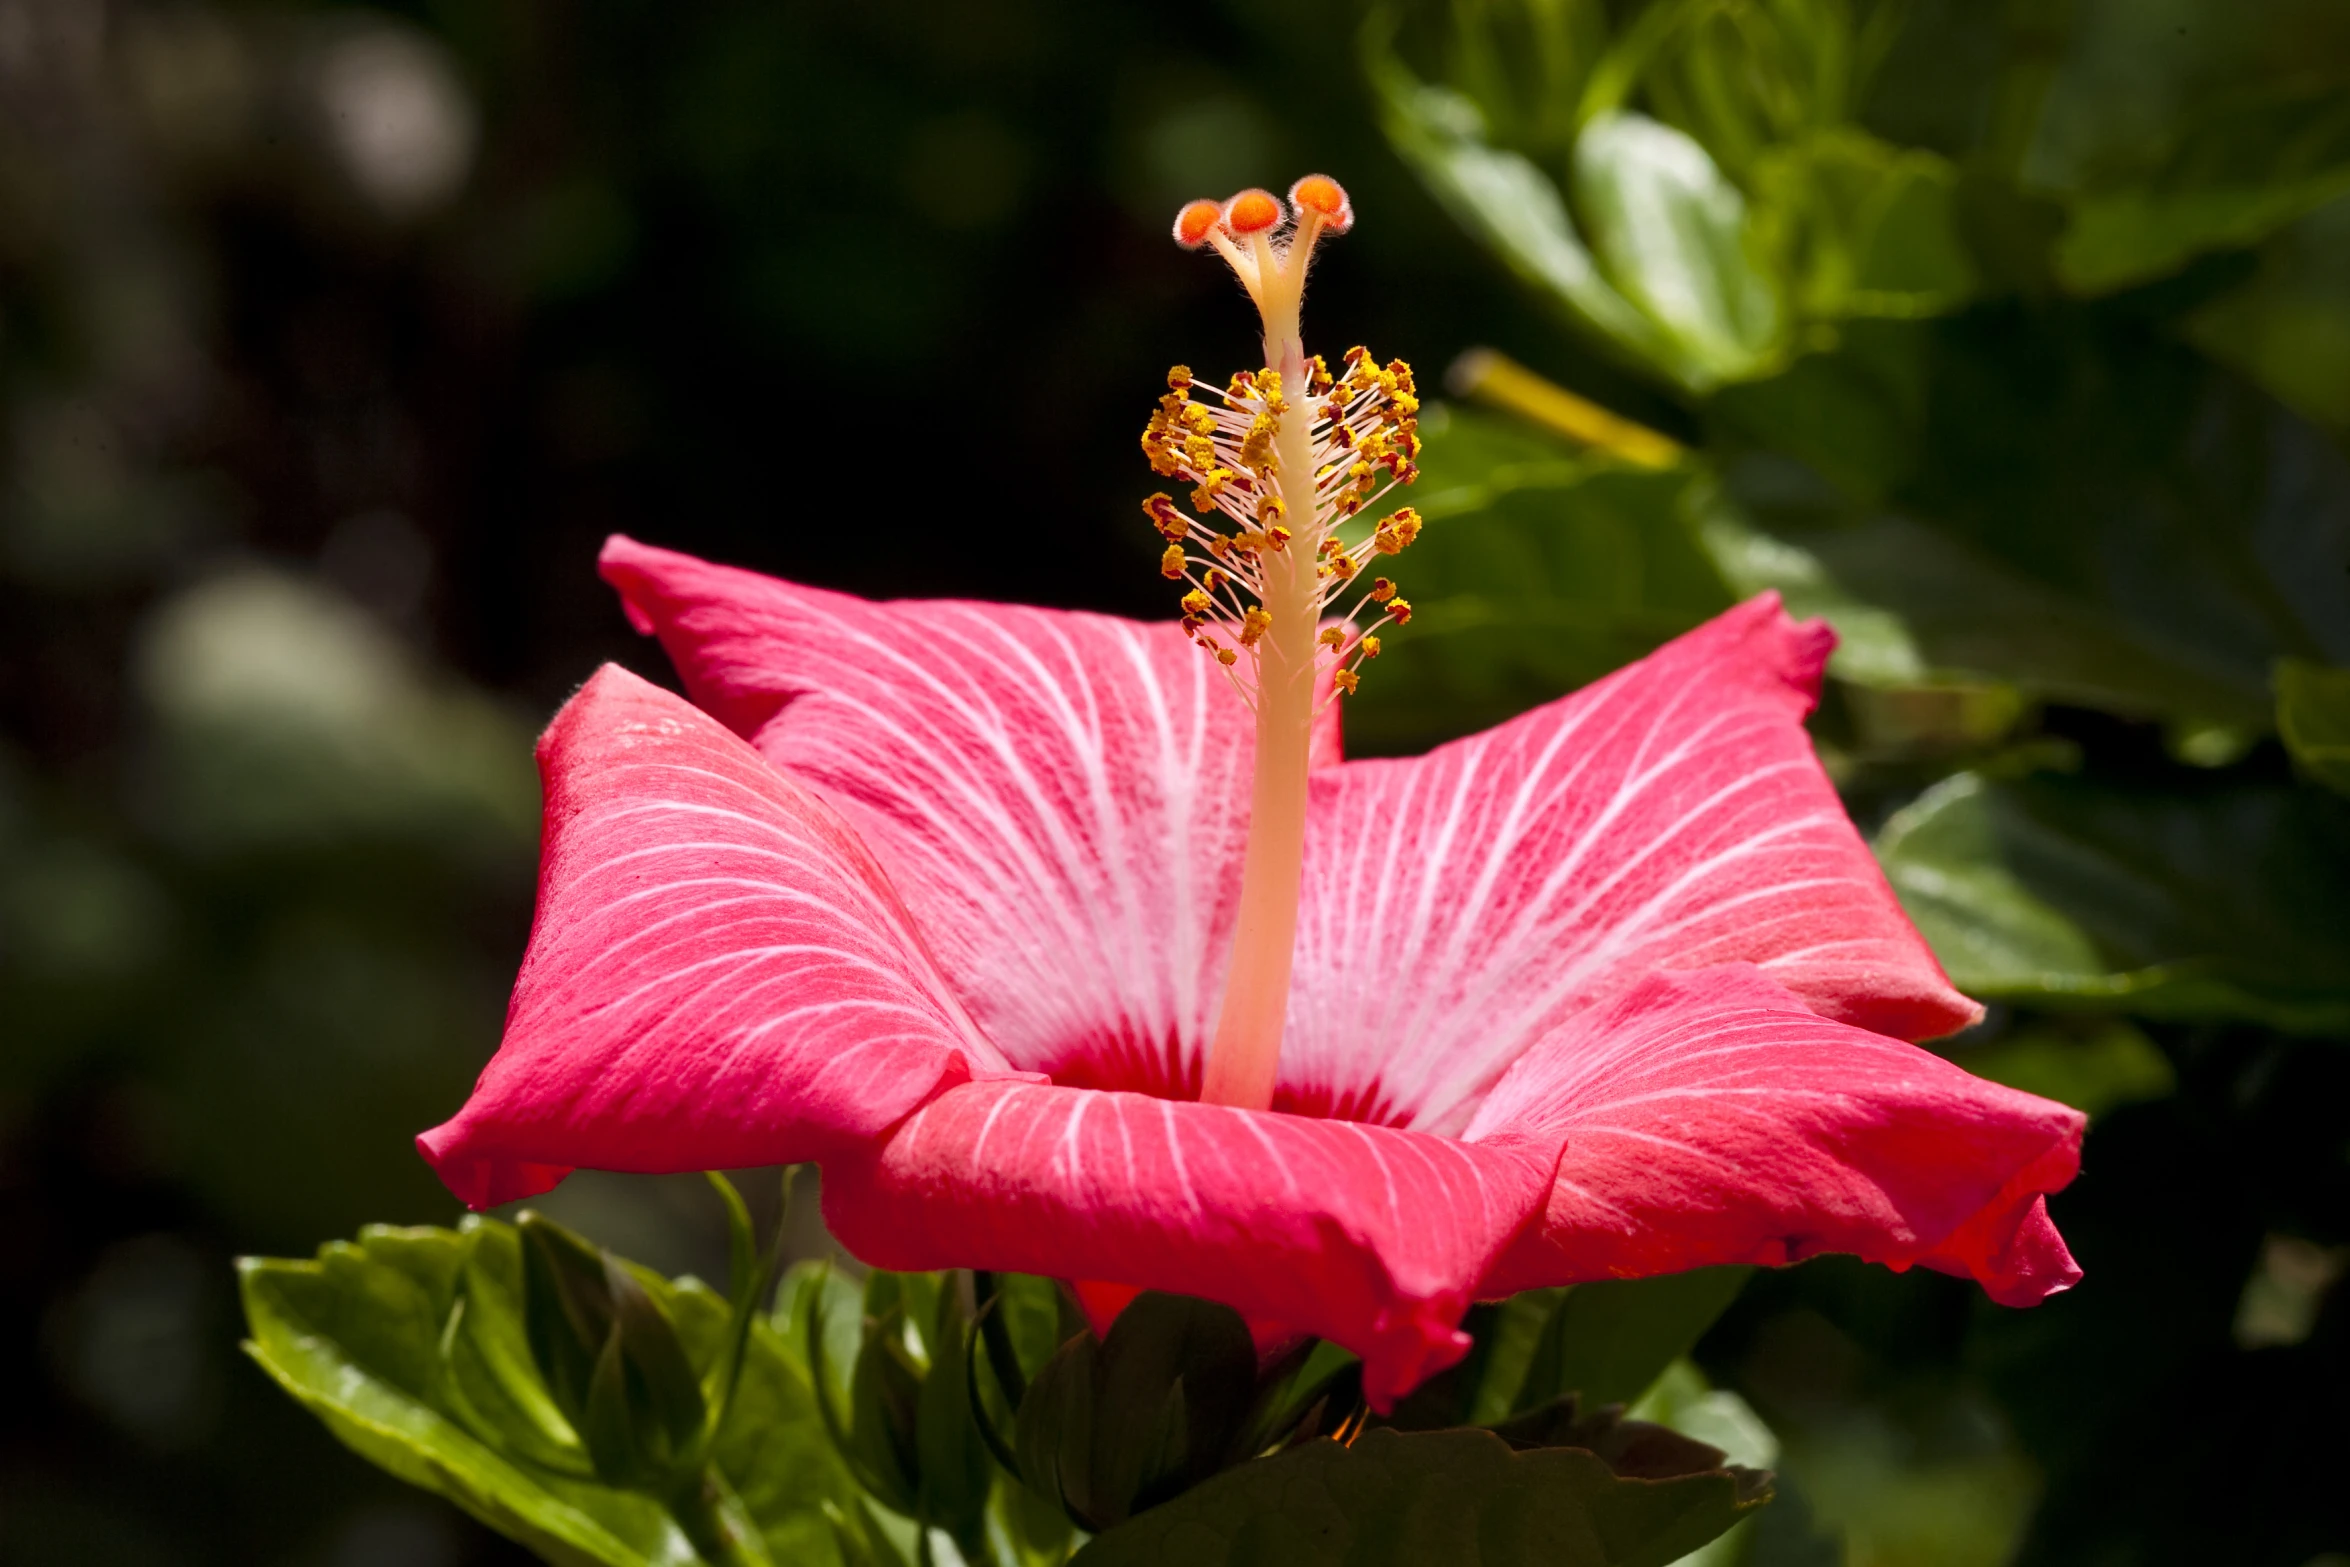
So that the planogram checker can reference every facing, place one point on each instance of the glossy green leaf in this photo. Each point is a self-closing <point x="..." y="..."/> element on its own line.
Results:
<point x="1433" y="1496"/>
<point x="410" y="1346"/>
<point x="1609" y="1340"/>
<point x="2215" y="903"/>
<point x="1683" y="1401"/>
<point x="2237" y="174"/>
<point x="2313" y="716"/>
<point x="352" y="1336"/>
<point x="1670" y="233"/>
<point x="2150" y="551"/>
<point x="1514" y="208"/>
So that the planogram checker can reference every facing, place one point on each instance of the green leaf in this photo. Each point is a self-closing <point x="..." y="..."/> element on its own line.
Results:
<point x="2220" y="902"/>
<point x="2094" y="1065"/>
<point x="2288" y="325"/>
<point x="410" y="1346"/>
<point x="1670" y="234"/>
<point x="2232" y="177"/>
<point x="1610" y="1339"/>
<point x="2313" y="716"/>
<point x="1538" y="572"/>
<point x="1433" y="1496"/>
<point x="2150" y="551"/>
<point x="955" y="1473"/>
<point x="1860" y="228"/>
<point x="1683" y="1401"/>
<point x="1506" y="201"/>
<point x="351" y="1335"/>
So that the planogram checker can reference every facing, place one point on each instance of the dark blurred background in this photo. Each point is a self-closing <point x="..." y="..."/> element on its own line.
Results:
<point x="333" y="341"/>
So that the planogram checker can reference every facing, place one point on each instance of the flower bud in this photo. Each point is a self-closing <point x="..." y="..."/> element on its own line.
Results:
<point x="611" y="1358"/>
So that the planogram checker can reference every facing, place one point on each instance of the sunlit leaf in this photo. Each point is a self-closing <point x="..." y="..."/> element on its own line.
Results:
<point x="352" y="1336"/>
<point x="409" y="1346"/>
<point x="1670" y="232"/>
<point x="1510" y="204"/>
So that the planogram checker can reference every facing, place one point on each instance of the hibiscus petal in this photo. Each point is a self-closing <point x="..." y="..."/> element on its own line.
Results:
<point x="1061" y="798"/>
<point x="719" y="975"/>
<point x="1711" y="1117"/>
<point x="1373" y="1238"/>
<point x="1457" y="906"/>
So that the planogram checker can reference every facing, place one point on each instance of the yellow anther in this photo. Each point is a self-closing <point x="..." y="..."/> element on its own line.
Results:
<point x="1179" y="378"/>
<point x="1227" y="657"/>
<point x="1382" y="590"/>
<point x="1370" y="646"/>
<point x="1211" y="484"/>
<point x="1199" y="419"/>
<point x="1196" y="603"/>
<point x="1318" y="383"/>
<point x="1400" y="609"/>
<point x="1254" y="623"/>
<point x="1332" y="636"/>
<point x="1171" y="563"/>
<point x="1160" y="509"/>
<point x="1397" y="532"/>
<point x="1199" y="451"/>
<point x="1243" y="385"/>
<point x="1269" y="508"/>
<point x="1346" y="680"/>
<point x="1277" y="537"/>
<point x="1214" y="581"/>
<point x="1256" y="449"/>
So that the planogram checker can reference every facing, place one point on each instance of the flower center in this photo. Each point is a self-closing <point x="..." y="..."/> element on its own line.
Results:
<point x="1280" y="462"/>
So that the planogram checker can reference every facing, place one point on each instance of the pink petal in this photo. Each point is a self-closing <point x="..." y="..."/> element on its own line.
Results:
<point x="719" y="974"/>
<point x="1370" y="1237"/>
<point x="1711" y="1117"/>
<point x="1061" y="798"/>
<point x="1459" y="905"/>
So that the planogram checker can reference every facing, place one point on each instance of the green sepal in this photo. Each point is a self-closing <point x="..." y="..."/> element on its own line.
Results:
<point x="1053" y="1438"/>
<point x="611" y="1355"/>
<point x="884" y="1393"/>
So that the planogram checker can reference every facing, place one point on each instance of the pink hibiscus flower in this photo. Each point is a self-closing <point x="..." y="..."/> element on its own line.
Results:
<point x="1069" y="945"/>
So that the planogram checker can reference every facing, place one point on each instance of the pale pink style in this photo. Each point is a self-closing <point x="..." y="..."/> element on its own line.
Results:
<point x="940" y="895"/>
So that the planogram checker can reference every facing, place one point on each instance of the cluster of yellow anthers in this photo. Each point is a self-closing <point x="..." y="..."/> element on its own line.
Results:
<point x="1361" y="432"/>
